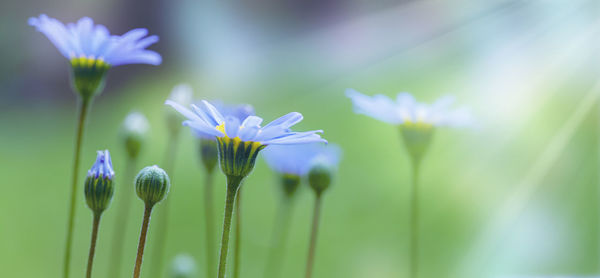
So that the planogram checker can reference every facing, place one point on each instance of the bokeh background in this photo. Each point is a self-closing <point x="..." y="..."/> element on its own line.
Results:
<point x="516" y="195"/>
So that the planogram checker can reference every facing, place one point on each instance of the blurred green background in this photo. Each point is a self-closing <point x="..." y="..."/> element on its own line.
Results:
<point x="516" y="195"/>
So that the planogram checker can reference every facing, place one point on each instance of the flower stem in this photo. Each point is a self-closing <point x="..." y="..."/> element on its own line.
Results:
<point x="142" y="243"/>
<point x="83" y="110"/>
<point x="233" y="183"/>
<point x="313" y="237"/>
<point x="123" y="207"/>
<point x="208" y="215"/>
<point x="278" y="238"/>
<point x="93" y="244"/>
<point x="160" y="242"/>
<point x="414" y="221"/>
<point x="238" y="235"/>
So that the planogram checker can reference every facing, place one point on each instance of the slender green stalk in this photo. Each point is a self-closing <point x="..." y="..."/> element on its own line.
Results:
<point x="83" y="111"/>
<point x="95" y="226"/>
<point x="238" y="235"/>
<point x="313" y="237"/>
<point x="123" y="207"/>
<point x="414" y="221"/>
<point x="140" y="253"/>
<point x="233" y="184"/>
<point x="278" y="238"/>
<point x="208" y="216"/>
<point x="163" y="216"/>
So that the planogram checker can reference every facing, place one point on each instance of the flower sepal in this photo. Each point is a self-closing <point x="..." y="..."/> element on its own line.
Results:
<point x="417" y="138"/>
<point x="237" y="157"/>
<point x="289" y="184"/>
<point x="88" y="75"/>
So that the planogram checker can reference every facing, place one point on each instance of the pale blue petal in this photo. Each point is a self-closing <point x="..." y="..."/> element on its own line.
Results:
<point x="213" y="112"/>
<point x="232" y="126"/>
<point x="202" y="128"/>
<point x="286" y="121"/>
<point x="55" y="31"/>
<point x="184" y="111"/>
<point x="379" y="107"/>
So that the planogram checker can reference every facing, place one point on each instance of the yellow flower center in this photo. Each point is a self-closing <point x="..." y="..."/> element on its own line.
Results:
<point x="221" y="128"/>
<point x="89" y="62"/>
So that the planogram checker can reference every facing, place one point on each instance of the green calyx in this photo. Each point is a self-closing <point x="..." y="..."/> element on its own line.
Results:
<point x="289" y="184"/>
<point x="319" y="177"/>
<point x="98" y="193"/>
<point x="417" y="138"/>
<point x="152" y="185"/>
<point x="237" y="157"/>
<point x="209" y="155"/>
<point x="88" y="75"/>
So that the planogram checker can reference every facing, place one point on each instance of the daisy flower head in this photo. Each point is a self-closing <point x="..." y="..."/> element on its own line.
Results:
<point x="239" y="141"/>
<point x="406" y="111"/>
<point x="92" y="50"/>
<point x="417" y="121"/>
<point x="208" y="144"/>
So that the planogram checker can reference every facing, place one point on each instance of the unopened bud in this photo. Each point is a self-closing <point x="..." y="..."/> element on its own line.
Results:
<point x="152" y="185"/>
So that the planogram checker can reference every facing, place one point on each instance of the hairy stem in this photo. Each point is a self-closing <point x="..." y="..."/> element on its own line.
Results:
<point x="313" y="237"/>
<point x="83" y="111"/>
<point x="142" y="243"/>
<point x="414" y="221"/>
<point x="93" y="244"/>
<point x="233" y="184"/>
<point x="238" y="235"/>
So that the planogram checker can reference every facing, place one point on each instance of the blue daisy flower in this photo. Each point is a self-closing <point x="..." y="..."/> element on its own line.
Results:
<point x="405" y="110"/>
<point x="84" y="40"/>
<point x="209" y="121"/>
<point x="239" y="141"/>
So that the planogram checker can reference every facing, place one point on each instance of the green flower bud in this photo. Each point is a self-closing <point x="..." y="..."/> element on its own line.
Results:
<point x="183" y="266"/>
<point x="320" y="176"/>
<point x="88" y="75"/>
<point x="208" y="153"/>
<point x="98" y="187"/>
<point x="417" y="138"/>
<point x="290" y="183"/>
<point x="152" y="185"/>
<point x="237" y="157"/>
<point x="182" y="94"/>
<point x="133" y="132"/>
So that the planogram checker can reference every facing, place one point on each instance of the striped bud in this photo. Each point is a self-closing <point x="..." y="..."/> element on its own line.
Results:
<point x="98" y="187"/>
<point x="152" y="185"/>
